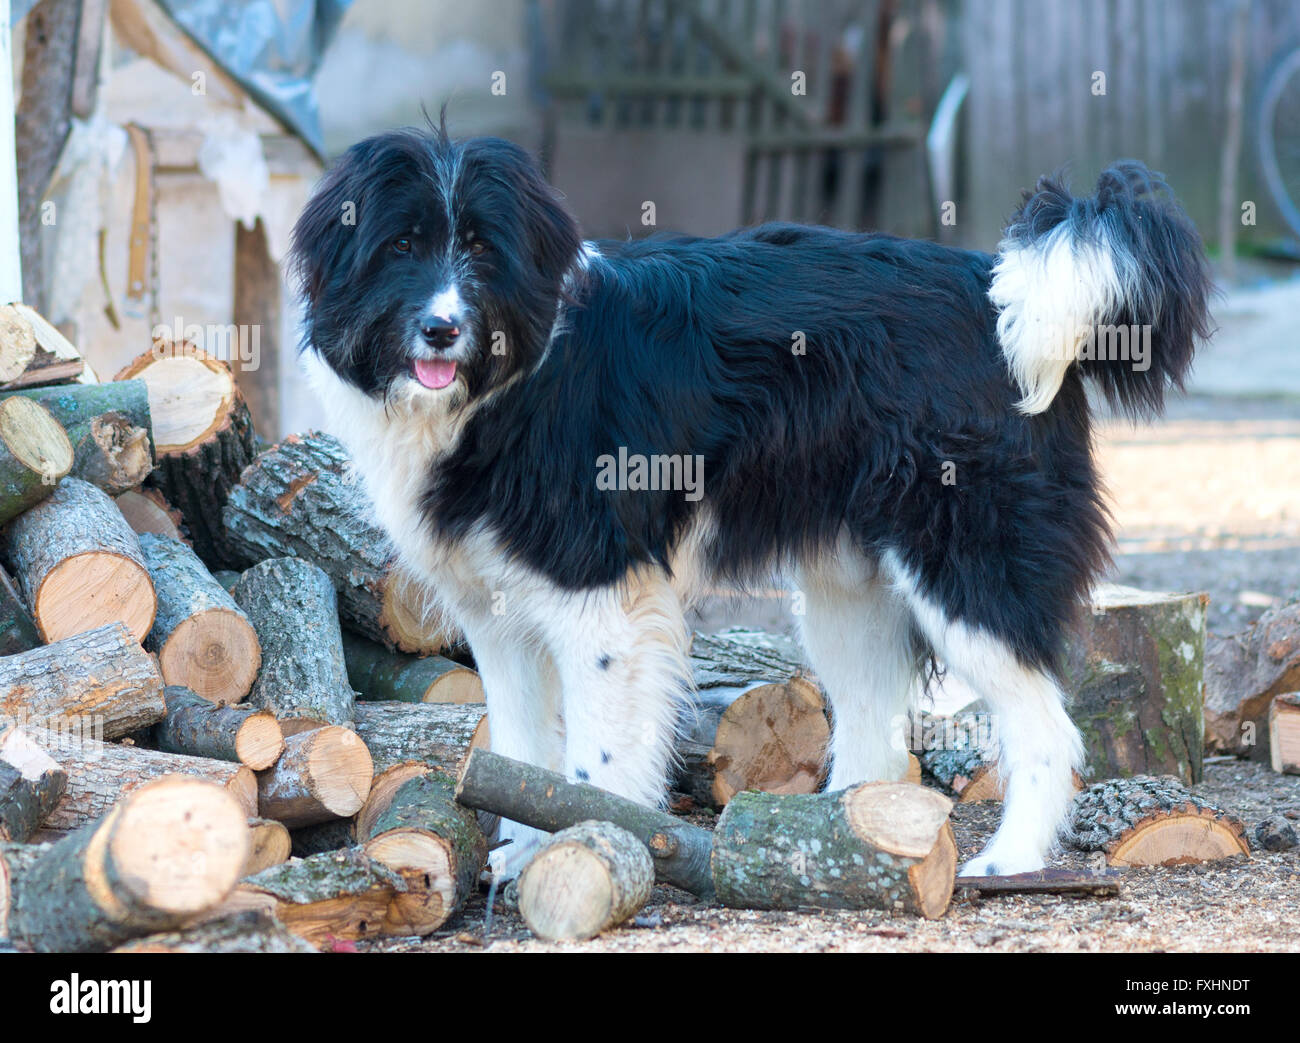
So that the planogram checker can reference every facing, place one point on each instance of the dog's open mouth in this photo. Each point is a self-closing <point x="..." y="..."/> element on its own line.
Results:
<point x="434" y="373"/>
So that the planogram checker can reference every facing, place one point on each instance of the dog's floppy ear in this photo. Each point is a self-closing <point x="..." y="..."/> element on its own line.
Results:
<point x="325" y="230"/>
<point x="552" y="234"/>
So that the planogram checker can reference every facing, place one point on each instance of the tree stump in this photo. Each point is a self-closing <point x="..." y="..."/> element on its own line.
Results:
<point x="34" y="454"/>
<point x="1150" y="821"/>
<point x="1284" y="733"/>
<point x="203" y="436"/>
<point x="100" y="678"/>
<point x="756" y="723"/>
<point x="1134" y="670"/>
<point x="587" y="879"/>
<point x="31" y="784"/>
<point x="80" y="564"/>
<point x="200" y="728"/>
<point x="203" y="640"/>
<point x="299" y="500"/>
<point x="880" y="845"/>
<point x="436" y="734"/>
<point x="168" y="852"/>
<point x="380" y="674"/>
<point x="322" y="774"/>
<point x="294" y="610"/>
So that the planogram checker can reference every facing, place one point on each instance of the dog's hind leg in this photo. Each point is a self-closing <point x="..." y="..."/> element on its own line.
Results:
<point x="857" y="631"/>
<point x="1039" y="746"/>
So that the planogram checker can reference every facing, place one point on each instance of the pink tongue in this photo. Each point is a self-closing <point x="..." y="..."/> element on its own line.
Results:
<point x="435" y="373"/>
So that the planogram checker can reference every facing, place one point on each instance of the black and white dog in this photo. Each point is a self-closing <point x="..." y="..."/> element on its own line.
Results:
<point x="901" y="425"/>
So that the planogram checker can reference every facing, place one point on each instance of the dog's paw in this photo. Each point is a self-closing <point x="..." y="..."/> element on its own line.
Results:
<point x="507" y="861"/>
<point x="1002" y="861"/>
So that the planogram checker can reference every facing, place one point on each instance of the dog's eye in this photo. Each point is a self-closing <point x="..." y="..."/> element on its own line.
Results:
<point x="402" y="245"/>
<point x="478" y="247"/>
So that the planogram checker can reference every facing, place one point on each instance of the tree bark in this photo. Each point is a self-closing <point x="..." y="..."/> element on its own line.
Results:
<point x="269" y="845"/>
<point x="82" y="408"/>
<point x="587" y="879"/>
<point x="31" y="785"/>
<point x="880" y="845"/>
<point x="34" y="454"/>
<point x="168" y="852"/>
<point x="437" y="734"/>
<point x="252" y="931"/>
<point x="294" y="610"/>
<point x="197" y="727"/>
<point x="322" y="774"/>
<point x="299" y="500"/>
<point x="17" y="628"/>
<point x="380" y="674"/>
<point x="1284" y="733"/>
<point x="100" y="676"/>
<point x="1153" y="821"/>
<point x="1243" y="672"/>
<point x="80" y="564"/>
<point x="203" y="436"/>
<point x="204" y="640"/>
<point x="961" y="753"/>
<point x="147" y="510"/>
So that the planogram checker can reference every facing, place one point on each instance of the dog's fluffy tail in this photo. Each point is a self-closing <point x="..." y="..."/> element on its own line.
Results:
<point x="1116" y="282"/>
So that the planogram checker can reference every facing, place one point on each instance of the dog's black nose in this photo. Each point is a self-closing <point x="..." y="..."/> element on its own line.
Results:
<point x="439" y="332"/>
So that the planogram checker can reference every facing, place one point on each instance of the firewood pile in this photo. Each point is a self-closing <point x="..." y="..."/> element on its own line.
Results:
<point x="227" y="722"/>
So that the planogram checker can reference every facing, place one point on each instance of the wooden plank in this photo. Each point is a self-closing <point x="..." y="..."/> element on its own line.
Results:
<point x="257" y="307"/>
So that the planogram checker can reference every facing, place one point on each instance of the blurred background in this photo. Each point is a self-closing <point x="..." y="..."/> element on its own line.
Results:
<point x="177" y="140"/>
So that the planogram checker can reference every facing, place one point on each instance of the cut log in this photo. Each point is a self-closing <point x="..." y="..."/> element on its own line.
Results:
<point x="102" y="773"/>
<point x="17" y="344"/>
<point x="1243" y="673"/>
<point x="546" y="800"/>
<point x="333" y="835"/>
<point x="201" y="728"/>
<point x="378" y="673"/>
<point x="80" y="564"/>
<point x="269" y="844"/>
<point x="437" y="734"/>
<point x="203" y="640"/>
<point x="252" y="931"/>
<point x="299" y="499"/>
<point x="109" y="427"/>
<point x="587" y="879"/>
<point x="15" y="860"/>
<point x="294" y="610"/>
<point x="322" y="774"/>
<point x="756" y="723"/>
<point x="56" y="359"/>
<point x="1153" y="821"/>
<point x="880" y="845"/>
<point x="203" y="436"/>
<point x="17" y="628"/>
<point x="960" y="753"/>
<point x="1284" y="733"/>
<point x="168" y="852"/>
<point x="31" y="784"/>
<point x="339" y="895"/>
<point x="34" y="454"/>
<point x="147" y="510"/>
<point x="433" y="842"/>
<point x="101" y="677"/>
<point x="1134" y="669"/>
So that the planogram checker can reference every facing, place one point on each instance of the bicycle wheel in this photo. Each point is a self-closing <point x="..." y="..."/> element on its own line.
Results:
<point x="1279" y="138"/>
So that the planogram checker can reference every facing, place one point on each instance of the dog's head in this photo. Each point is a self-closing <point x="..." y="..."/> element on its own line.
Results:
<point x="432" y="267"/>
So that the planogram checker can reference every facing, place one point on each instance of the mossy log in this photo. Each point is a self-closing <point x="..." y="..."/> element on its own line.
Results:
<point x="201" y="728"/>
<point x="1243" y="673"/>
<point x="377" y="673"/>
<point x="170" y="851"/>
<point x="1153" y="821"/>
<point x="587" y="879"/>
<point x="17" y="628"/>
<point x="34" y="454"/>
<point x="101" y="678"/>
<point x="269" y="844"/>
<point x="77" y="406"/>
<point x="322" y="774"/>
<point x="880" y="845"/>
<point x="1284" y="733"/>
<point x="294" y="609"/>
<point x="1134" y="670"/>
<point x="756" y="722"/>
<point x="548" y="801"/>
<point x="437" y="734"/>
<point x="204" y="641"/>
<point x="960" y="753"/>
<point x="203" y="437"/>
<point x="336" y="895"/>
<point x="80" y="565"/>
<point x="31" y="784"/>
<point x="299" y="499"/>
<point x="422" y="833"/>
<point x="101" y="773"/>
<point x="147" y="511"/>
<point x="248" y="932"/>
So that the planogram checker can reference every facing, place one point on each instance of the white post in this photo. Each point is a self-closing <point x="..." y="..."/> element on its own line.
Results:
<point x="11" y="267"/>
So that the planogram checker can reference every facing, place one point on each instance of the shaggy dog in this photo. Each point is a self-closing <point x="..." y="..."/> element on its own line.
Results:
<point x="568" y="440"/>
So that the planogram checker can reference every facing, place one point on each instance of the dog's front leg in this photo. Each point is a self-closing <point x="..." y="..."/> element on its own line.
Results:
<point x="621" y="655"/>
